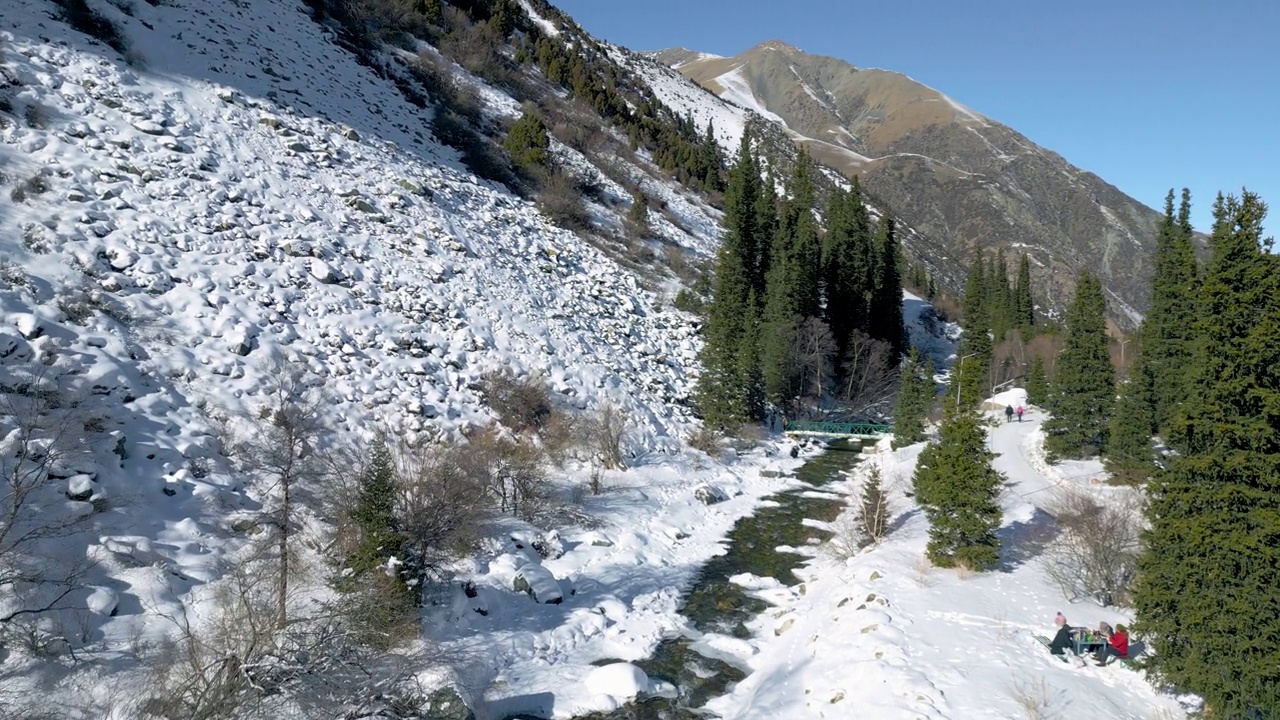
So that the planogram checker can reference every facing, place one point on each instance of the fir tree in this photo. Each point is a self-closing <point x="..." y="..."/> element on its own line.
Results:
<point x="527" y="142"/>
<point x="959" y="491"/>
<point x="1037" y="382"/>
<point x="1168" y="330"/>
<point x="915" y="392"/>
<point x="845" y="257"/>
<point x="885" y="311"/>
<point x="1206" y="597"/>
<point x="1130" y="456"/>
<point x="1084" y="383"/>
<point x="1024" y="315"/>
<point x="374" y="512"/>
<point x="721" y="394"/>
<point x="969" y="373"/>
<point x="873" y="514"/>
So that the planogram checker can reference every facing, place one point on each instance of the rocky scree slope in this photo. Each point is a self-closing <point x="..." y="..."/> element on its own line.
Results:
<point x="241" y="192"/>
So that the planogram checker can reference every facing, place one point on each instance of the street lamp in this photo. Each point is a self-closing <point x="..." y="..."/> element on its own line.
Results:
<point x="959" y="374"/>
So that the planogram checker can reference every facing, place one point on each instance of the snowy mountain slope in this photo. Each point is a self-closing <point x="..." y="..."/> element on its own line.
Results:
<point x="242" y="191"/>
<point x="965" y="181"/>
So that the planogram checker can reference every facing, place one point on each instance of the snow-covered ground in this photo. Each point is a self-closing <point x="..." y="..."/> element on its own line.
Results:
<point x="885" y="635"/>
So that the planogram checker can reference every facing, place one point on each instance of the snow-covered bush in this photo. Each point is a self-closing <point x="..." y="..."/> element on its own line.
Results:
<point x="1096" y="552"/>
<point x="605" y="432"/>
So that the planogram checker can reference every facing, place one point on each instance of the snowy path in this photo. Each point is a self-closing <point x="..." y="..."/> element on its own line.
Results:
<point x="885" y="635"/>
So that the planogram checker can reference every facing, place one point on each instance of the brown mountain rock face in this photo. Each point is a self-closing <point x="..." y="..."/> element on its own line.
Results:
<point x="964" y="181"/>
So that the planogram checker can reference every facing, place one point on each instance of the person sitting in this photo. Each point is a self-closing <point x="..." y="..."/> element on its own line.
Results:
<point x="1062" y="640"/>
<point x="1117" y="644"/>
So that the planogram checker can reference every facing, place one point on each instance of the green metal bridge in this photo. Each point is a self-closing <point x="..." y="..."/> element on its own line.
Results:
<point x="861" y="431"/>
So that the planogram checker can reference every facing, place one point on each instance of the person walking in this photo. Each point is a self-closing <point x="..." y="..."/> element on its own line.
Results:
<point x="1008" y="413"/>
<point x="1019" y="412"/>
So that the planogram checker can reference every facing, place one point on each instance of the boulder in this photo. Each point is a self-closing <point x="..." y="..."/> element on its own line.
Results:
<point x="709" y="494"/>
<point x="446" y="704"/>
<point x="79" y="487"/>
<point x="539" y="583"/>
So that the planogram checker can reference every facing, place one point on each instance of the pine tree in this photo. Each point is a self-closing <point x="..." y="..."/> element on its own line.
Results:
<point x="885" y="311"/>
<point x="1206" y="597"/>
<point x="722" y="391"/>
<point x="1037" y="383"/>
<point x="1168" y="330"/>
<point x="374" y="512"/>
<point x="1130" y="457"/>
<point x="527" y="142"/>
<point x="969" y="373"/>
<point x="873" y="514"/>
<point x="915" y="392"/>
<point x="1084" y="382"/>
<point x="1024" y="315"/>
<point x="845" y="257"/>
<point x="959" y="491"/>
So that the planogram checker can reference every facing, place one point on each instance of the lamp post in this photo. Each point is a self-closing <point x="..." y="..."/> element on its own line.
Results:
<point x="959" y="374"/>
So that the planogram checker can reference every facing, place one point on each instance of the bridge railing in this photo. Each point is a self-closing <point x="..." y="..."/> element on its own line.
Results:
<point x="833" y="428"/>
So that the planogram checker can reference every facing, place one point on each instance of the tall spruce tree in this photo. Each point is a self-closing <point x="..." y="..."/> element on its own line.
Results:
<point x="969" y="373"/>
<point x="1024" y="314"/>
<point x="1084" y="382"/>
<point x="793" y="287"/>
<point x="1207" y="595"/>
<point x="915" y="393"/>
<point x="959" y="492"/>
<point x="846" y="251"/>
<point x="1130" y="457"/>
<point x="1168" y="329"/>
<point x="885" y="311"/>
<point x="1037" y="382"/>
<point x="721" y="393"/>
<point x="374" y="512"/>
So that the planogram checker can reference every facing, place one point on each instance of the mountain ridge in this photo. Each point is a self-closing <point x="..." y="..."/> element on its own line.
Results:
<point x="964" y="180"/>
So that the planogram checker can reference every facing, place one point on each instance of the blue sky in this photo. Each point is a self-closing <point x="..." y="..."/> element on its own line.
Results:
<point x="1147" y="94"/>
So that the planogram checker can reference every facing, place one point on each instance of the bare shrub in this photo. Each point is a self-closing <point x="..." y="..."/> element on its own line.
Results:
<point x="559" y="435"/>
<point x="511" y="470"/>
<point x="597" y="480"/>
<point x="442" y="505"/>
<point x="1095" y="555"/>
<point x="1033" y="697"/>
<point x="815" y="349"/>
<point x="236" y="663"/>
<point x="605" y="432"/>
<point x="870" y="375"/>
<point x="560" y="199"/>
<point x="36" y="116"/>
<point x="847" y="538"/>
<point x="520" y="403"/>
<point x="706" y="439"/>
<point x="43" y="439"/>
<point x="34" y="185"/>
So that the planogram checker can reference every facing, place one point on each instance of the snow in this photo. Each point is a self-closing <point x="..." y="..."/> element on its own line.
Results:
<point x="885" y="635"/>
<point x="686" y="98"/>
<point x="737" y="90"/>
<point x="246" y="190"/>
<point x="621" y="681"/>
<point x="543" y="24"/>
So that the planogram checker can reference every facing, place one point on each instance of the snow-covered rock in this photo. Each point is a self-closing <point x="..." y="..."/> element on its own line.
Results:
<point x="708" y="494"/>
<point x="539" y="583"/>
<point x="102" y="601"/>
<point x="622" y="681"/>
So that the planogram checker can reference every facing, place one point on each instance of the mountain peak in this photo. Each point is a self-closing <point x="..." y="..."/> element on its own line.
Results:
<point x="779" y="46"/>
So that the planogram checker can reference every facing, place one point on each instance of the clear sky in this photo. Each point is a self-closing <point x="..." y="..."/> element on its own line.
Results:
<point x="1148" y="94"/>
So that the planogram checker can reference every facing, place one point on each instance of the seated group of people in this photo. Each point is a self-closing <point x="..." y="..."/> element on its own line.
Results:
<point x="1116" y="645"/>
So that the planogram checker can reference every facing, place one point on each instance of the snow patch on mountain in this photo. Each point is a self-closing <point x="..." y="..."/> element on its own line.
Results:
<point x="738" y="90"/>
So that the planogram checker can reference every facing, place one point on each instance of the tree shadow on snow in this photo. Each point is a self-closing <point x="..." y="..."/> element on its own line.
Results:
<point x="1023" y="540"/>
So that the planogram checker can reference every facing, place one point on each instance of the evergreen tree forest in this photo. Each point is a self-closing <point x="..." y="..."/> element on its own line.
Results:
<point x="995" y="309"/>
<point x="1207" y="596"/>
<point x="798" y="316"/>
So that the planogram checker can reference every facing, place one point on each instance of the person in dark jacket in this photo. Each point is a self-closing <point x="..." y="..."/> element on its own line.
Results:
<point x="1062" y="640"/>
<point x="1117" y="644"/>
<point x="1008" y="413"/>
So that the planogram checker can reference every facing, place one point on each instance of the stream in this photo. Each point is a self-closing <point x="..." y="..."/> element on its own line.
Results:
<point x="716" y="605"/>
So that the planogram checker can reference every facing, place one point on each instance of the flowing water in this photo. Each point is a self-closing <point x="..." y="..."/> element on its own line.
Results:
<point x="716" y="605"/>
